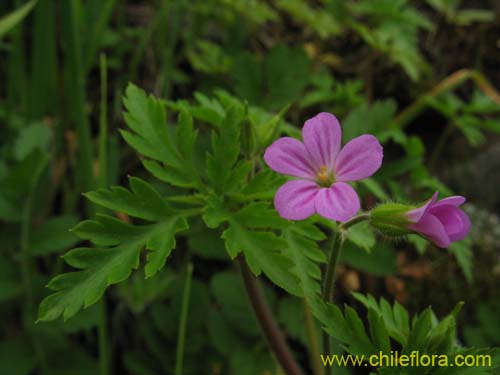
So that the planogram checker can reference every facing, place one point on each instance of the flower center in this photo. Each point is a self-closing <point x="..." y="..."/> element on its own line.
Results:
<point x="324" y="177"/>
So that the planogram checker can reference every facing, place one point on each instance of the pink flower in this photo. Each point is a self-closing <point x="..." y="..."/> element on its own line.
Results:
<point x="441" y="222"/>
<point x="323" y="170"/>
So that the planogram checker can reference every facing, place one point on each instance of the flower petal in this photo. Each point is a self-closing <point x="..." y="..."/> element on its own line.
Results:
<point x="456" y="201"/>
<point x="359" y="158"/>
<point x="289" y="156"/>
<point x="295" y="199"/>
<point x="322" y="136"/>
<point x="338" y="202"/>
<point x="430" y="227"/>
<point x="456" y="223"/>
<point x="416" y="214"/>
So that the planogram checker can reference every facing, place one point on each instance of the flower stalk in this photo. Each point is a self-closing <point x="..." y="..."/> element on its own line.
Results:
<point x="338" y="238"/>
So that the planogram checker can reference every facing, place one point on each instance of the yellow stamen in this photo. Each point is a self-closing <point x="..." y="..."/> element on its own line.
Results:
<point x="323" y="174"/>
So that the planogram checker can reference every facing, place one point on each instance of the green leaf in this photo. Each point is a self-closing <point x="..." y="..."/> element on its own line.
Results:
<point x="421" y="327"/>
<point x="104" y="266"/>
<point x="225" y="150"/>
<point x="150" y="136"/>
<point x="263" y="253"/>
<point x="395" y="318"/>
<point x="142" y="201"/>
<point x="349" y="330"/>
<point x="272" y="82"/>
<point x="147" y="118"/>
<point x="302" y="248"/>
<point x="260" y="215"/>
<point x="376" y="119"/>
<point x="463" y="254"/>
<point x="467" y="16"/>
<point x="215" y="212"/>
<point x="378" y="331"/>
<point x="33" y="136"/>
<point x="362" y="235"/>
<point x="12" y="19"/>
<point x="325" y="24"/>
<point x="161" y="245"/>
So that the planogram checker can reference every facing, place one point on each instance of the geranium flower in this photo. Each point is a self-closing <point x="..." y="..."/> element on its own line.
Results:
<point x="323" y="170"/>
<point x="442" y="222"/>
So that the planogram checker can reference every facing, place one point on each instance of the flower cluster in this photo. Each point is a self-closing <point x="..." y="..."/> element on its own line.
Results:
<point x="323" y="170"/>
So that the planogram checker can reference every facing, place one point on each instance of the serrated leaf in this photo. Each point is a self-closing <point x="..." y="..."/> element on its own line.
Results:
<point x="150" y="136"/>
<point x="141" y="201"/>
<point x="378" y="331"/>
<point x="225" y="150"/>
<point x="262" y="252"/>
<point x="422" y="324"/>
<point x="146" y="116"/>
<point x="349" y="330"/>
<point x="161" y="245"/>
<point x="104" y="266"/>
<point x="260" y="215"/>
<point x="395" y="319"/>
<point x="215" y="213"/>
<point x="173" y="176"/>
<point x="307" y="257"/>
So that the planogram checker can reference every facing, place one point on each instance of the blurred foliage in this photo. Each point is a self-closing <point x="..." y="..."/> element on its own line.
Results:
<point x="228" y="77"/>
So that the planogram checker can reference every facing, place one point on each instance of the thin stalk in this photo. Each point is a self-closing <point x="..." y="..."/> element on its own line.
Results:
<point x="337" y="242"/>
<point x="103" y="125"/>
<point x="273" y="334"/>
<point x="76" y="78"/>
<point x="100" y="13"/>
<point x="329" y="283"/>
<point x="102" y="328"/>
<point x="449" y="83"/>
<point x="181" y="338"/>
<point x="314" y="352"/>
<point x="26" y="271"/>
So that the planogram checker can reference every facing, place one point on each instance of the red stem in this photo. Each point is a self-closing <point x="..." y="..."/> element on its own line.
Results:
<point x="274" y="336"/>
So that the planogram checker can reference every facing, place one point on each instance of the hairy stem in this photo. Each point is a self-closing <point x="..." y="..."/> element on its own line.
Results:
<point x="274" y="336"/>
<point x="337" y="242"/>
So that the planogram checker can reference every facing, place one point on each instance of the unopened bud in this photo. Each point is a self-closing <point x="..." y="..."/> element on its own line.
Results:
<point x="391" y="218"/>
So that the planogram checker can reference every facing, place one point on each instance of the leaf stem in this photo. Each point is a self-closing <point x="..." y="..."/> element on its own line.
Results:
<point x="274" y="336"/>
<point x="449" y="83"/>
<point x="336" y="243"/>
<point x="181" y="338"/>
